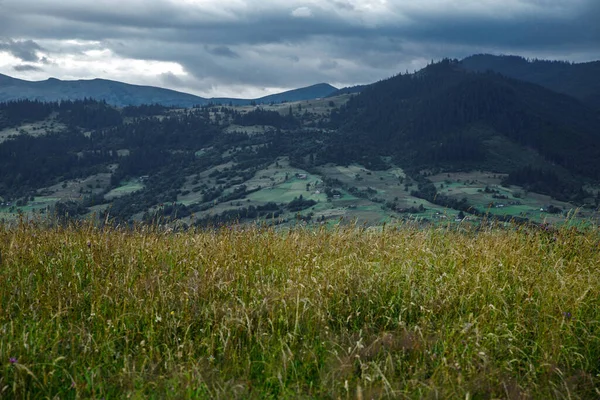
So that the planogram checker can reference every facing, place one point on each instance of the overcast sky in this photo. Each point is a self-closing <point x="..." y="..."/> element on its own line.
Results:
<point x="250" y="48"/>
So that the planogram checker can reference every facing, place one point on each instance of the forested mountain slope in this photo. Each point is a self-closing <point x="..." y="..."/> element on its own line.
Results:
<point x="447" y="116"/>
<point x="579" y="80"/>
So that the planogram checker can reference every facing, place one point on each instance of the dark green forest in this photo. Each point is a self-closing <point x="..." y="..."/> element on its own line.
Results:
<point x="578" y="80"/>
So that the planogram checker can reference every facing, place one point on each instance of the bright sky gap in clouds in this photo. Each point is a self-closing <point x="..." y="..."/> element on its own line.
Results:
<point x="244" y="48"/>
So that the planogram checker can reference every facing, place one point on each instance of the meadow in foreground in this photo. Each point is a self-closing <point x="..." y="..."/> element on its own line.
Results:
<point x="247" y="312"/>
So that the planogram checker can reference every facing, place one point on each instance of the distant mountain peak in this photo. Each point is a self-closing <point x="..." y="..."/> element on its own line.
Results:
<point x="323" y="85"/>
<point x="318" y="90"/>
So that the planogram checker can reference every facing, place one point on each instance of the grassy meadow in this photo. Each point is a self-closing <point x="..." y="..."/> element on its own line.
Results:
<point x="251" y="312"/>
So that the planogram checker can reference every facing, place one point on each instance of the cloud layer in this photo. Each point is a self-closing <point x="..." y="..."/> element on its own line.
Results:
<point x="248" y="48"/>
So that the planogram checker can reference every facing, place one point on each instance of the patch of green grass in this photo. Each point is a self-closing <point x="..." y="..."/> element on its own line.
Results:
<point x="251" y="312"/>
<point x="287" y="191"/>
<point x="124" y="189"/>
<point x="509" y="210"/>
<point x="38" y="204"/>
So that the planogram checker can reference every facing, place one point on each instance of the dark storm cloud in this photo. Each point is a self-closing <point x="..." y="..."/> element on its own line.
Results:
<point x="542" y="23"/>
<point x="343" y="4"/>
<point x="222" y="51"/>
<point x="26" y="67"/>
<point x="25" y="50"/>
<point x="328" y="64"/>
<point x="292" y="43"/>
<point x="518" y="32"/>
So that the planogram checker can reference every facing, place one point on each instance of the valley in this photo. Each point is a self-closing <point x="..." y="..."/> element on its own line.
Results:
<point x="439" y="146"/>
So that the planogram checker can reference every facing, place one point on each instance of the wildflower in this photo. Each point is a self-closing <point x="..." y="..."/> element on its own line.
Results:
<point x="158" y="318"/>
<point x="567" y="315"/>
<point x="172" y="312"/>
<point x="13" y="360"/>
<point x="73" y="385"/>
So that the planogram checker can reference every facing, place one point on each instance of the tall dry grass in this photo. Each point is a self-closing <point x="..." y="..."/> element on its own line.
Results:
<point x="248" y="312"/>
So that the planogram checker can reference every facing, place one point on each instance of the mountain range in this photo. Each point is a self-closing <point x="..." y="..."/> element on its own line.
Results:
<point x="122" y="94"/>
<point x="512" y="125"/>
<point x="578" y="80"/>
